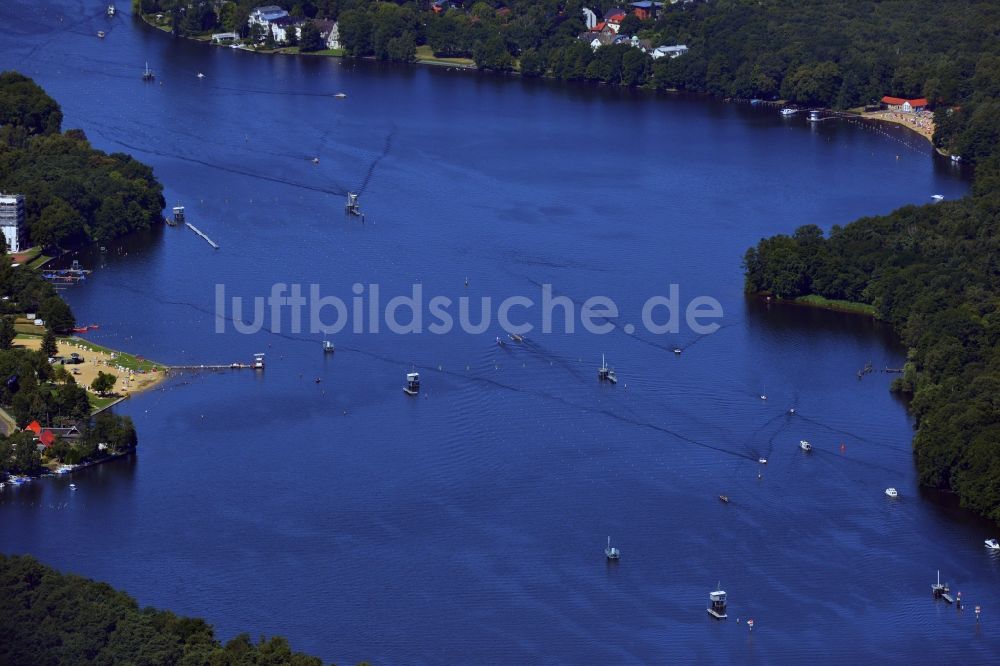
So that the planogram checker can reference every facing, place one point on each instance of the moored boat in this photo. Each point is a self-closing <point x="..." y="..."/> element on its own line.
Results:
<point x="805" y="446"/>
<point x="891" y="492"/>
<point x="612" y="553"/>
<point x="992" y="544"/>
<point x="412" y="383"/>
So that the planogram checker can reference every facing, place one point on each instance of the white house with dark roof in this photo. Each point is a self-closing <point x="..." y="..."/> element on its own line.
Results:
<point x="669" y="51"/>
<point x="266" y="16"/>
<point x="280" y="27"/>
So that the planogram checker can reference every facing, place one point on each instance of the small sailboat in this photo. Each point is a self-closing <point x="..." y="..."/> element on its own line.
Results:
<point x="763" y="393"/>
<point x="111" y="11"/>
<point x="501" y="342"/>
<point x="992" y="544"/>
<point x="606" y="374"/>
<point x="677" y="350"/>
<point x="412" y="383"/>
<point x="805" y="446"/>
<point x="724" y="498"/>
<point x="315" y="160"/>
<point x="891" y="492"/>
<point x="791" y="410"/>
<point x="328" y="347"/>
<point x="147" y="74"/>
<point x="612" y="553"/>
<point x="516" y="338"/>
<point x="939" y="589"/>
<point x="200" y="75"/>
<point x="100" y="33"/>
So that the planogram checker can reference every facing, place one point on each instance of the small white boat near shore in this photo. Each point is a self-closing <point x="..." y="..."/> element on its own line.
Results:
<point x="789" y="112"/>
<point x="891" y="492"/>
<point x="992" y="544"/>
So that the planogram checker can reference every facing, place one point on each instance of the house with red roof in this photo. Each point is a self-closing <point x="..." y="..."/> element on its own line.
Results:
<point x="903" y="104"/>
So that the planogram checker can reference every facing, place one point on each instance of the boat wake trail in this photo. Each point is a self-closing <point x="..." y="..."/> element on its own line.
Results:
<point x="852" y="435"/>
<point x="227" y="169"/>
<point x="386" y="147"/>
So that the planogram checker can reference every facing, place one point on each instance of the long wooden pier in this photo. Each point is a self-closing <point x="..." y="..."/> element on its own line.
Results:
<point x="202" y="234"/>
<point x="231" y="366"/>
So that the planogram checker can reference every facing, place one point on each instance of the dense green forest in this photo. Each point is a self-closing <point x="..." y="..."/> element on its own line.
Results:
<point x="73" y="193"/>
<point x="51" y="618"/>
<point x="832" y="54"/>
<point x="933" y="272"/>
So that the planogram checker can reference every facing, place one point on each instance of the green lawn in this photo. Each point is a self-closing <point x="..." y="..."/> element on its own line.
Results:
<point x="831" y="304"/>
<point x="337" y="53"/>
<point x="125" y="360"/>
<point x="427" y="54"/>
<point x="39" y="260"/>
<point x="98" y="402"/>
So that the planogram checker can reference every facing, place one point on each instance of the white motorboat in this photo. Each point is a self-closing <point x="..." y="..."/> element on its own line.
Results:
<point x="993" y="544"/>
<point x="762" y="461"/>
<point x="789" y="112"/>
<point x="341" y="95"/>
<point x="805" y="446"/>
<point x="891" y="492"/>
<point x="200" y="75"/>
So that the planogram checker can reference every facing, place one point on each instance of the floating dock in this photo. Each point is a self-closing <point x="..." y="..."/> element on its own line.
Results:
<point x="717" y="599"/>
<point x="412" y="383"/>
<point x="202" y="234"/>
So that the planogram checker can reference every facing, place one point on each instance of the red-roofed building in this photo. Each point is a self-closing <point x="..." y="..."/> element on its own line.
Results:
<point x="599" y="27"/>
<point x="34" y="427"/>
<point x="46" y="438"/>
<point x="905" y="105"/>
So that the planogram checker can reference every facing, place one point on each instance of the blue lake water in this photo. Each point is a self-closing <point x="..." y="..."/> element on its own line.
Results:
<point x="468" y="525"/>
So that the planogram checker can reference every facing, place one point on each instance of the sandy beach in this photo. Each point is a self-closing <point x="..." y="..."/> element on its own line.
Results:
<point x="921" y="123"/>
<point x="101" y="360"/>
